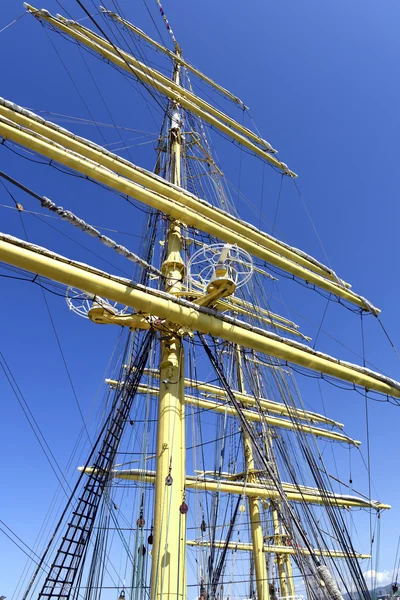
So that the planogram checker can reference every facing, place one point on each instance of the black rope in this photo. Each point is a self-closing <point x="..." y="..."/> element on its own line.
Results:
<point x="368" y="437"/>
<point x="109" y="435"/>
<point x="249" y="431"/>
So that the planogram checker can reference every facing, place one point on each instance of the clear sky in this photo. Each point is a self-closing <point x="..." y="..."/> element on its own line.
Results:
<point x="321" y="80"/>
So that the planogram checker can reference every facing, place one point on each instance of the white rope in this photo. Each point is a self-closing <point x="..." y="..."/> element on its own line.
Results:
<point x="12" y="22"/>
<point x="93" y="232"/>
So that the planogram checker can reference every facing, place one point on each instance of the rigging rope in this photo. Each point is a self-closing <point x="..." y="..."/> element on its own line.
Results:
<point x="368" y="439"/>
<point x="51" y="459"/>
<point x="67" y="566"/>
<point x="293" y="520"/>
<point x="31" y="551"/>
<point x="117" y="51"/>
<point x="12" y="22"/>
<point x="246" y="427"/>
<point x="71" y="218"/>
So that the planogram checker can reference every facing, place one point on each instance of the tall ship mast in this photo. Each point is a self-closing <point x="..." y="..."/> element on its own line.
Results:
<point x="203" y="476"/>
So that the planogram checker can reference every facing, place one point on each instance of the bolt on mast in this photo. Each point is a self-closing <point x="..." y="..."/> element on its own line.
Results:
<point x="168" y="575"/>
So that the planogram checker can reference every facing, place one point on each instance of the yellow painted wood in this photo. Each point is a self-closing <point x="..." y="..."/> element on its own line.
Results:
<point x="289" y="570"/>
<point x="172" y="55"/>
<point x="189" y="316"/>
<point x="257" y="538"/>
<point x="266" y="405"/>
<point x="161" y="87"/>
<point x="190" y="217"/>
<point x="293" y="492"/>
<point x="253" y="416"/>
<point x="279" y="558"/>
<point x="168" y="567"/>
<point x="163" y="188"/>
<point x="258" y="309"/>
<point x="226" y="305"/>
<point x="168" y="554"/>
<point x="283" y="582"/>
<point x="159" y="77"/>
<point x="241" y="546"/>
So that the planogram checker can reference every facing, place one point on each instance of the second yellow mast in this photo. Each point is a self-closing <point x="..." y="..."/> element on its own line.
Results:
<point x="260" y="566"/>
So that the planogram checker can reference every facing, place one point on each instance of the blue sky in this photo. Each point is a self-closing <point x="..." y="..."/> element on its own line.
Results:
<point x="321" y="80"/>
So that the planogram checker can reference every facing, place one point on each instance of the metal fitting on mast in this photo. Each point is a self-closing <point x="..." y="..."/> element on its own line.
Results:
<point x="173" y="268"/>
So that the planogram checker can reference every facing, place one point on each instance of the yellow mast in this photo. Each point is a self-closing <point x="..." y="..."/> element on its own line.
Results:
<point x="260" y="566"/>
<point x="168" y="573"/>
<point x="283" y="561"/>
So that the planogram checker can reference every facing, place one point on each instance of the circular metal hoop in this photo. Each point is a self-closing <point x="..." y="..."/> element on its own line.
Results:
<point x="80" y="303"/>
<point x="204" y="263"/>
